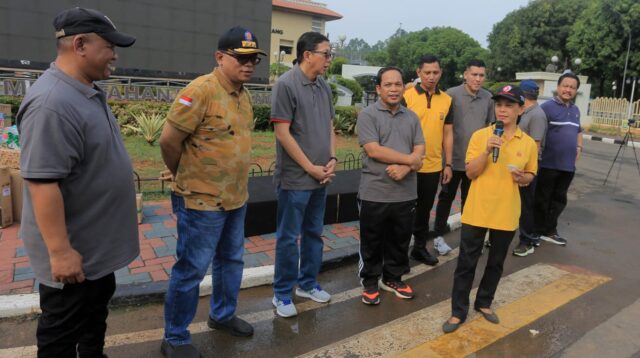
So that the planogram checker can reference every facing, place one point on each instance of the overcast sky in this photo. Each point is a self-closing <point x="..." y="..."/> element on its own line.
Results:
<point x="377" y="20"/>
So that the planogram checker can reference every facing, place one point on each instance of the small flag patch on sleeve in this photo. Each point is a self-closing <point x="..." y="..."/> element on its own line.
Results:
<point x="186" y="101"/>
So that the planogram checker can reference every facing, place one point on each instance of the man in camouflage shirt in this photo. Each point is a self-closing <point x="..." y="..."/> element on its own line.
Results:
<point x="206" y="144"/>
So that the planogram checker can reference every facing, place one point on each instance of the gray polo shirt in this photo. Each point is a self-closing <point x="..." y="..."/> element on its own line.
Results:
<point x="400" y="131"/>
<point x="469" y="113"/>
<point x="308" y="107"/>
<point x="534" y="122"/>
<point x="69" y="134"/>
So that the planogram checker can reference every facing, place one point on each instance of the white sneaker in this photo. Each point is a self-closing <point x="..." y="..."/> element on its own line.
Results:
<point x="317" y="294"/>
<point x="441" y="246"/>
<point x="284" y="308"/>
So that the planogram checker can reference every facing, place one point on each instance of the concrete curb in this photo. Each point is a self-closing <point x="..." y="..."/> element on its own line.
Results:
<point x="610" y="140"/>
<point x="25" y="304"/>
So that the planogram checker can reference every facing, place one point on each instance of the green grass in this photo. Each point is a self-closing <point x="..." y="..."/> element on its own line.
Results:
<point x="606" y="130"/>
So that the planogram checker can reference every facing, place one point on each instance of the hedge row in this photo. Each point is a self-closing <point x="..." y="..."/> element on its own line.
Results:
<point x="261" y="112"/>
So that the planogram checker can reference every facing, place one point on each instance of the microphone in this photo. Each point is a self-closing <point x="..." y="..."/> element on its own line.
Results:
<point x="497" y="131"/>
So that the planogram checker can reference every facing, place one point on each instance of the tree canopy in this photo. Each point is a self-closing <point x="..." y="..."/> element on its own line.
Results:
<point x="453" y="47"/>
<point x="600" y="38"/>
<point x="527" y="38"/>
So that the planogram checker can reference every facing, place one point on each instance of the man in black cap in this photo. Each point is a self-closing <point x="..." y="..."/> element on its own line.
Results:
<point x="79" y="216"/>
<point x="206" y="145"/>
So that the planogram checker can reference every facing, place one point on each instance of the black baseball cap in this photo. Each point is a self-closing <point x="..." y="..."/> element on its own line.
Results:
<point x="79" y="20"/>
<point x="239" y="41"/>
<point x="511" y="93"/>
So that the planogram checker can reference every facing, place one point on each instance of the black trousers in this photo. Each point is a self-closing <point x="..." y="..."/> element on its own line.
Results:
<point x="385" y="232"/>
<point x="527" y="195"/>
<point x="427" y="188"/>
<point x="471" y="242"/>
<point x="550" y="199"/>
<point x="446" y="197"/>
<point x="74" y="318"/>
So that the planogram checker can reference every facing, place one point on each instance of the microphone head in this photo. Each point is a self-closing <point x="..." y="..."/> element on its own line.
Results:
<point x="499" y="124"/>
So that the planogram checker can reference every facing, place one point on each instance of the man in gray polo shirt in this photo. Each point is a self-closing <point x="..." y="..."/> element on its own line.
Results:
<point x="533" y="122"/>
<point x="471" y="109"/>
<point x="302" y="113"/>
<point x="393" y="144"/>
<point x="79" y="215"/>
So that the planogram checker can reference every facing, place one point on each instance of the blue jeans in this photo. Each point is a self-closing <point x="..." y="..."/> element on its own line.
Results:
<point x="300" y="214"/>
<point x="204" y="237"/>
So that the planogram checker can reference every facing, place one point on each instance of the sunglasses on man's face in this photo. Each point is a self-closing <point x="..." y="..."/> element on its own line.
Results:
<point x="244" y="59"/>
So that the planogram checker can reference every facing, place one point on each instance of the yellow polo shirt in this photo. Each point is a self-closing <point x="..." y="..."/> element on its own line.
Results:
<point x="494" y="198"/>
<point x="432" y="110"/>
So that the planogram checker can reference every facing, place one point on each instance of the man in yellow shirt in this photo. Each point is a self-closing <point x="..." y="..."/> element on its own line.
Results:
<point x="493" y="204"/>
<point x="432" y="107"/>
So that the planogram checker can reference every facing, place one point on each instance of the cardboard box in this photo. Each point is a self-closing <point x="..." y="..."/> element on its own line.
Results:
<point x="139" y="207"/>
<point x="6" y="110"/>
<point x="16" y="194"/>
<point x="6" y="207"/>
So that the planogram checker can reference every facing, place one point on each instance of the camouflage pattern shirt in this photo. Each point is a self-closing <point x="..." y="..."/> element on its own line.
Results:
<point x="214" y="167"/>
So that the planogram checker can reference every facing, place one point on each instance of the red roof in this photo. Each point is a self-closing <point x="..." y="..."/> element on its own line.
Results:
<point x="299" y="6"/>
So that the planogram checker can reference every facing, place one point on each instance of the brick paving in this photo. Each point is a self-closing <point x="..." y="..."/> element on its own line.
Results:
<point x="157" y="236"/>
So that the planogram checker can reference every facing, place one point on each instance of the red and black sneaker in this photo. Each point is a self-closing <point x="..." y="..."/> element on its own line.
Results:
<point x="400" y="288"/>
<point x="371" y="296"/>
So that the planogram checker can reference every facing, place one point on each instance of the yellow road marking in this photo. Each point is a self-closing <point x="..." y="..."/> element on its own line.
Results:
<point x="411" y="330"/>
<point x="477" y="334"/>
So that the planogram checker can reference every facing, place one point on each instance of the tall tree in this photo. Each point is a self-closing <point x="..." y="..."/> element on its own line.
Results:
<point x="454" y="48"/>
<point x="601" y="39"/>
<point x="527" y="38"/>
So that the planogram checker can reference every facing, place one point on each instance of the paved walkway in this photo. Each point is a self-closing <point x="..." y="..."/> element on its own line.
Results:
<point x="157" y="235"/>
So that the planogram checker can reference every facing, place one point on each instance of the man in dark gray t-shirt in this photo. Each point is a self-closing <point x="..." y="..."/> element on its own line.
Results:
<point x="471" y="109"/>
<point x="393" y="144"/>
<point x="79" y="215"/>
<point x="302" y="113"/>
<point x="533" y="122"/>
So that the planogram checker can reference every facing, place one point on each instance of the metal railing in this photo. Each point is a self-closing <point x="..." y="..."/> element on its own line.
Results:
<point x="350" y="162"/>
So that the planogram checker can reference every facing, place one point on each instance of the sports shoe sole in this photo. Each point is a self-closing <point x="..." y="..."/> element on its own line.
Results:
<point x="398" y="293"/>
<point x="275" y="304"/>
<point x="526" y="253"/>
<point x="551" y="240"/>
<point x="371" y="303"/>
<point x="304" y="294"/>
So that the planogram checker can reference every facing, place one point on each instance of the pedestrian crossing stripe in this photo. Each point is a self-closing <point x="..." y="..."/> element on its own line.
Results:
<point x="479" y="333"/>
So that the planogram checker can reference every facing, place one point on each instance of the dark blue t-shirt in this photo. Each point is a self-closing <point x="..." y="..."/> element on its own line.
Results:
<point x="562" y="135"/>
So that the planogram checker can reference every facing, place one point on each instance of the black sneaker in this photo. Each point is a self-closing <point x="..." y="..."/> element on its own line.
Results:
<point x="554" y="239"/>
<point x="523" y="250"/>
<point x="400" y="288"/>
<point x="423" y="255"/>
<point x="371" y="296"/>
<point x="235" y="326"/>
<point x="182" y="351"/>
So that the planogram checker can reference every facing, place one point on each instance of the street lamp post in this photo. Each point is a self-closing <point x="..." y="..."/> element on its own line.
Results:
<point x="555" y="59"/>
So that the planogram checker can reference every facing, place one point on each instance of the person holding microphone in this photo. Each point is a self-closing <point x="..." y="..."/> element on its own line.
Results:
<point x="497" y="163"/>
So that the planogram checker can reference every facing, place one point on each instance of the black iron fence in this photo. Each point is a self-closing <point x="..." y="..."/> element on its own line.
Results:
<point x="156" y="185"/>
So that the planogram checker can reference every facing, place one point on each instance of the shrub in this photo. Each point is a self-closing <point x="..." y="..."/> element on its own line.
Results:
<point x="353" y="86"/>
<point x="14" y="102"/>
<point x="148" y="124"/>
<point x="262" y="117"/>
<point x="345" y="121"/>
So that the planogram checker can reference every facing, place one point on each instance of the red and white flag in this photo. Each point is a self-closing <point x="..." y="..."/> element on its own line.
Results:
<point x="186" y="101"/>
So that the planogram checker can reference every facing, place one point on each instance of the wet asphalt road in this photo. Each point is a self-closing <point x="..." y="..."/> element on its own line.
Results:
<point x="602" y="224"/>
